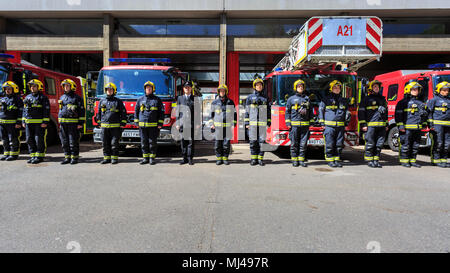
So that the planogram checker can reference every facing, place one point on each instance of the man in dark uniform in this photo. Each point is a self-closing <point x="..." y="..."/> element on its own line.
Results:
<point x="186" y="115"/>
<point x="149" y="115"/>
<point x="372" y="115"/>
<point x="257" y="119"/>
<point x="11" y="108"/>
<point x="439" y="123"/>
<point x="111" y="116"/>
<point x="222" y="120"/>
<point x="298" y="117"/>
<point x="333" y="117"/>
<point x="410" y="116"/>
<point x="36" y="116"/>
<point x="71" y="118"/>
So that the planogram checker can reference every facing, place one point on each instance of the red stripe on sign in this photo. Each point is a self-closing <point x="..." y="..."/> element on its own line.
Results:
<point x="315" y="33"/>
<point x="312" y="22"/>
<point x="315" y="47"/>
<point x="376" y="21"/>
<point x="372" y="47"/>
<point x="374" y="34"/>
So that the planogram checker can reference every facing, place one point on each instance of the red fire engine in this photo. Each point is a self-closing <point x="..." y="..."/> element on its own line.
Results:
<point x="322" y="46"/>
<point x="393" y="88"/>
<point x="130" y="79"/>
<point x="22" y="72"/>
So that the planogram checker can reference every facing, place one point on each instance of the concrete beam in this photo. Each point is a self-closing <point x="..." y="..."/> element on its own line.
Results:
<point x="166" y="43"/>
<point x="51" y="43"/>
<point x="415" y="44"/>
<point x="108" y="28"/>
<point x="223" y="50"/>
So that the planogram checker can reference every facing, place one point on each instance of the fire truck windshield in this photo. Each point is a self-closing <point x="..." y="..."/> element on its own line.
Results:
<point x="440" y="78"/>
<point x="130" y="82"/>
<point x="3" y="74"/>
<point x="317" y="86"/>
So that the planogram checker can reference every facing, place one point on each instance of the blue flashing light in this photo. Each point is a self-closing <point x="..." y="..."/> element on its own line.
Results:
<point x="438" y="66"/>
<point x="6" y="56"/>
<point x="279" y="69"/>
<point x="140" y="60"/>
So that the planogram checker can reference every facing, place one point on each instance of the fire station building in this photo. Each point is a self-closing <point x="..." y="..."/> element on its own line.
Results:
<point x="215" y="40"/>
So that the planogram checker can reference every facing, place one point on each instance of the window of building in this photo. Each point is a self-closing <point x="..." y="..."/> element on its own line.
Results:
<point x="169" y="27"/>
<point x="62" y="27"/>
<point x="264" y="27"/>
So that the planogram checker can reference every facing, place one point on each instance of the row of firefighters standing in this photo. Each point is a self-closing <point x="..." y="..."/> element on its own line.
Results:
<point x="411" y="114"/>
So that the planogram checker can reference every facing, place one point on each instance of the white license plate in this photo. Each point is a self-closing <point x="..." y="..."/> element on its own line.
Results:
<point x="315" y="142"/>
<point x="130" y="133"/>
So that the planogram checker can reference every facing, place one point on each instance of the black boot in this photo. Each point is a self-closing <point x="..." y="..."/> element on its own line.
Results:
<point x="295" y="163"/>
<point x="37" y="160"/>
<point x="29" y="161"/>
<point x="191" y="161"/>
<point x="74" y="161"/>
<point x="377" y="164"/>
<point x="338" y="164"/>
<point x="12" y="158"/>
<point x="219" y="162"/>
<point x="261" y="162"/>
<point x="371" y="164"/>
<point x="105" y="161"/>
<point x="442" y="165"/>
<point x="152" y="161"/>
<point x="144" y="161"/>
<point x="415" y="165"/>
<point x="184" y="161"/>
<point x="65" y="161"/>
<point x="253" y="162"/>
<point x="406" y="165"/>
<point x="303" y="164"/>
<point x="332" y="164"/>
<point x="226" y="162"/>
<point x="3" y="158"/>
<point x="114" y="161"/>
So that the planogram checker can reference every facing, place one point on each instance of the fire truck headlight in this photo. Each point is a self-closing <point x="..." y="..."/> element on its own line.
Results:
<point x="167" y="121"/>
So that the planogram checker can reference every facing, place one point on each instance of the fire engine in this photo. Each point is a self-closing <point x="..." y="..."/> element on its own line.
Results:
<point x="22" y="72"/>
<point x="318" y="55"/>
<point x="129" y="75"/>
<point x="393" y="86"/>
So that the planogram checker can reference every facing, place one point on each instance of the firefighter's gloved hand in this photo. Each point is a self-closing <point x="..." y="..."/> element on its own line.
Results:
<point x="382" y="110"/>
<point x="303" y="111"/>
<point x="423" y="112"/>
<point x="348" y="116"/>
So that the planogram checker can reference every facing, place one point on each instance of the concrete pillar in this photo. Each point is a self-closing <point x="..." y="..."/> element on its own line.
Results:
<point x="223" y="49"/>
<point x="2" y="25"/>
<point x="108" y="29"/>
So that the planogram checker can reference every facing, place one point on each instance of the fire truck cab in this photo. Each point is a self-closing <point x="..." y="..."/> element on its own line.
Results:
<point x="393" y="89"/>
<point x="130" y="79"/>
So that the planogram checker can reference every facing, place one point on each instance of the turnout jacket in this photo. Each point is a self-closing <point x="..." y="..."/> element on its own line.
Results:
<point x="11" y="109"/>
<point x="223" y="113"/>
<point x="111" y="113"/>
<point x="299" y="111"/>
<point x="373" y="111"/>
<point x="36" y="109"/>
<point x="149" y="111"/>
<point x="439" y="112"/>
<point x="410" y="113"/>
<point x="333" y="111"/>
<point x="71" y="109"/>
<point x="253" y="104"/>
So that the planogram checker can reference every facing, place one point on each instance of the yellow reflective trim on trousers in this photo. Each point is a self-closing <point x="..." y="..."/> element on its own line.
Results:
<point x="111" y="125"/>
<point x="68" y="120"/>
<point x="333" y="107"/>
<point x="294" y="158"/>
<point x="152" y="155"/>
<point x="376" y="158"/>
<point x="301" y="158"/>
<point x="369" y="158"/>
<point x="148" y="124"/>
<point x="361" y="121"/>
<point x="404" y="160"/>
<point x="436" y="160"/>
<point x="377" y="123"/>
<point x="300" y="123"/>
<point x="372" y="107"/>
<point x="7" y="121"/>
<point x="441" y="122"/>
<point x="329" y="159"/>
<point x="33" y="121"/>
<point x="413" y="126"/>
<point x="114" y="157"/>
<point x="444" y="160"/>
<point x="224" y="158"/>
<point x="413" y="160"/>
<point x="218" y="158"/>
<point x="254" y="157"/>
<point x="260" y="157"/>
<point x="174" y="104"/>
<point x="145" y="155"/>
<point x="46" y="119"/>
<point x="337" y="158"/>
<point x="106" y="157"/>
<point x="334" y="123"/>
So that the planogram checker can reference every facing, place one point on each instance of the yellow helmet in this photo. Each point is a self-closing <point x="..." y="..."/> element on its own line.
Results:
<point x="372" y="83"/>
<point x="11" y="84"/>
<point x="441" y="85"/>
<point x="258" y="80"/>
<point x="223" y="86"/>
<point x="39" y="84"/>
<point x="412" y="85"/>
<point x="335" y="83"/>
<point x="73" y="85"/>
<point x="151" y="84"/>
<point x="297" y="82"/>
<point x="111" y="85"/>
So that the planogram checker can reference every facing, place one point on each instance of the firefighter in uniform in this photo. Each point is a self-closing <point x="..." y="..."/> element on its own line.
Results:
<point x="71" y="118"/>
<point x="257" y="119"/>
<point x="222" y="120"/>
<point x="111" y="116"/>
<point x="410" y="116"/>
<point x="36" y="116"/>
<point x="439" y="123"/>
<point x="298" y="117"/>
<point x="334" y="116"/>
<point x="186" y="115"/>
<point x="11" y="108"/>
<point x="372" y="115"/>
<point x="149" y="115"/>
